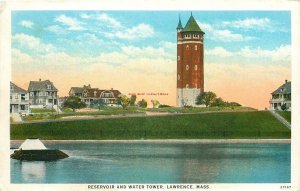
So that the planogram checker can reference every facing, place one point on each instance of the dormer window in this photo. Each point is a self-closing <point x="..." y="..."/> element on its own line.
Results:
<point x="49" y="87"/>
<point x="95" y="93"/>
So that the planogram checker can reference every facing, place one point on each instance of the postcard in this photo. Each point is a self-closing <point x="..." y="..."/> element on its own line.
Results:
<point x="150" y="95"/>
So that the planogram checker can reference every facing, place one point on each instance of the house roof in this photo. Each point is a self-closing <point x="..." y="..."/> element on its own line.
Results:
<point x="80" y="89"/>
<point x="91" y="91"/>
<point x="76" y="89"/>
<point x="41" y="85"/>
<point x="16" y="89"/>
<point x="284" y="88"/>
<point x="192" y="25"/>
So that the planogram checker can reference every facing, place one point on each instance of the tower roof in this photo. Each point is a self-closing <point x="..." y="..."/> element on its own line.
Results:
<point x="179" y="24"/>
<point x="192" y="25"/>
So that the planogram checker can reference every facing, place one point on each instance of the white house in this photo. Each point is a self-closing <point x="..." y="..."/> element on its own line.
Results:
<point x="19" y="100"/>
<point x="281" y="96"/>
<point x="42" y="94"/>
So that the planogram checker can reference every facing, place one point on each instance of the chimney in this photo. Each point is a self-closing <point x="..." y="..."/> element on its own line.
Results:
<point x="111" y="88"/>
<point x="286" y="81"/>
<point x="40" y="79"/>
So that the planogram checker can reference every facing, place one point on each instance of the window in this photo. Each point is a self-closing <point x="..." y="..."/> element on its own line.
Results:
<point x="16" y="96"/>
<point x="196" y="47"/>
<point x="178" y="58"/>
<point x="49" y="87"/>
<point x="187" y="67"/>
<point x="23" y="97"/>
<point x="187" y="47"/>
<point x="196" y="67"/>
<point x="187" y="86"/>
<point x="178" y="77"/>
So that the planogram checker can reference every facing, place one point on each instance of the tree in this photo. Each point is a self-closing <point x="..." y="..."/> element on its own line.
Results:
<point x="219" y="102"/>
<point x="132" y="100"/>
<point x="74" y="102"/>
<point x="283" y="107"/>
<point x="206" y="98"/>
<point x="142" y="103"/>
<point x="124" y="101"/>
<point x="155" y="103"/>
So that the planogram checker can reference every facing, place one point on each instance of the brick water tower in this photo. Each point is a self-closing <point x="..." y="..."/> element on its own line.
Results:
<point x="190" y="69"/>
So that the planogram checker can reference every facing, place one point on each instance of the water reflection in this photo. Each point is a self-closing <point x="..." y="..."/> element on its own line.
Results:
<point x="33" y="171"/>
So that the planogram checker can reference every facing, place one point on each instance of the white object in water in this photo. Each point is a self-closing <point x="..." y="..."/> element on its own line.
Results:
<point x="32" y="144"/>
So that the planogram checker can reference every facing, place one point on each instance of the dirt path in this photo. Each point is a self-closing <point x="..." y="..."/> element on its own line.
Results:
<point x="281" y="119"/>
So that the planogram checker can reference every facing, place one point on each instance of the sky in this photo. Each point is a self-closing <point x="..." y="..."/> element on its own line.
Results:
<point x="247" y="54"/>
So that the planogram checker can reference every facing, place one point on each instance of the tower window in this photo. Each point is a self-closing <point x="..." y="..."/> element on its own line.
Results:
<point x="187" y="86"/>
<point x="196" y="67"/>
<point x="187" y="47"/>
<point x="187" y="67"/>
<point x="178" y="77"/>
<point x="178" y="58"/>
<point x="196" y="47"/>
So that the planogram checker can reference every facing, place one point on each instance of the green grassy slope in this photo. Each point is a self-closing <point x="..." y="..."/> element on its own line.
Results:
<point x="285" y="114"/>
<point x="258" y="124"/>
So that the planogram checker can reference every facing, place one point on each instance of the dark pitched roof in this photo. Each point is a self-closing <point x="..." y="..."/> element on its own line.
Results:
<point x="41" y="85"/>
<point x="116" y="93"/>
<point x="284" y="88"/>
<point x="179" y="24"/>
<point x="16" y="89"/>
<point x="76" y="89"/>
<point x="192" y="25"/>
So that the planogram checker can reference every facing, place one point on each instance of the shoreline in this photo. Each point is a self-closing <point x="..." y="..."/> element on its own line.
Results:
<point x="171" y="141"/>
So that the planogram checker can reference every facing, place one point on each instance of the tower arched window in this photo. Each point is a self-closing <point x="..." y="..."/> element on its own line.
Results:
<point x="196" y="67"/>
<point x="178" y="77"/>
<point x="187" y="67"/>
<point x="178" y="58"/>
<point x="187" y="47"/>
<point x="187" y="86"/>
<point x="196" y="47"/>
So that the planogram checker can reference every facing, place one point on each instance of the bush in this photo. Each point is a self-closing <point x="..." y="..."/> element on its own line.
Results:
<point x="163" y="105"/>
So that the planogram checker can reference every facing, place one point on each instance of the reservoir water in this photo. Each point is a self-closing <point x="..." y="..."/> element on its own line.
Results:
<point x="150" y="162"/>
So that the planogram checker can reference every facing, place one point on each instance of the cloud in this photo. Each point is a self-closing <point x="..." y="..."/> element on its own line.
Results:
<point x="228" y="36"/>
<point x="140" y="31"/>
<point x="222" y="35"/>
<point x="249" y="23"/>
<point x="56" y="29"/>
<point x="219" y="51"/>
<point x="71" y="23"/>
<point x="27" y="24"/>
<point x="20" y="59"/>
<point x="108" y="20"/>
<point x="282" y="53"/>
<point x="31" y="44"/>
<point x="138" y="70"/>
<point x="85" y="16"/>
<point x="279" y="54"/>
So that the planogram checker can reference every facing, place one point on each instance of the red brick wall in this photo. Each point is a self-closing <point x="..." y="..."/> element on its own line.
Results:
<point x="191" y="57"/>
